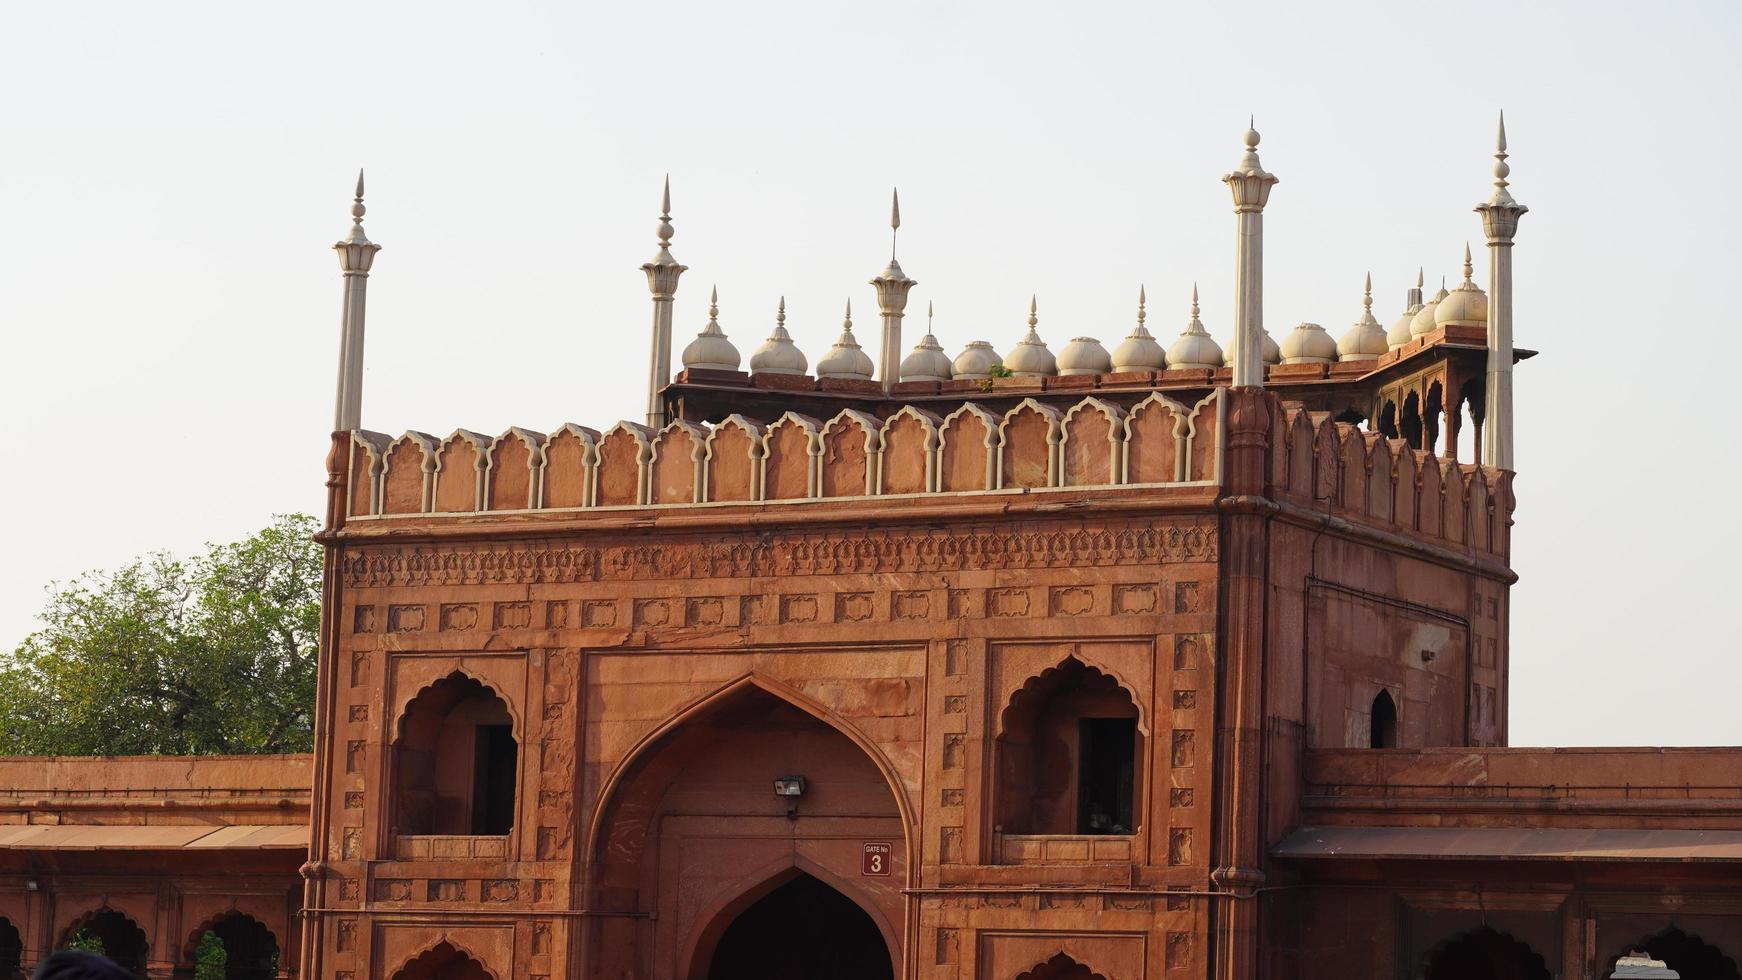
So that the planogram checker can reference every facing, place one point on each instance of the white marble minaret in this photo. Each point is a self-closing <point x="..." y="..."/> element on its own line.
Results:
<point x="1500" y="214"/>
<point x="662" y="275"/>
<point x="892" y="289"/>
<point x="1251" y="186"/>
<point x="356" y="256"/>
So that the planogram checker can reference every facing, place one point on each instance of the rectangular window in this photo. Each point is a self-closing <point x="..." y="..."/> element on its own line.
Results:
<point x="1105" y="769"/>
<point x="494" y="763"/>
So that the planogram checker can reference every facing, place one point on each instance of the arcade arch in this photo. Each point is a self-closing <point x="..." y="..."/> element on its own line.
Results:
<point x="443" y="961"/>
<point x="690" y="837"/>
<point x="1688" y="955"/>
<point x="1070" y="748"/>
<point x="1382" y="722"/>
<point x="11" y="951"/>
<point x="251" y="951"/>
<point x="1484" y="952"/>
<point x="793" y="928"/>
<point x="455" y="761"/>
<point x="113" y="934"/>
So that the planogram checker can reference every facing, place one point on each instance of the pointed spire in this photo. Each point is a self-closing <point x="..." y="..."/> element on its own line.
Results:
<point x="356" y="258"/>
<point x="847" y="324"/>
<point x="713" y="310"/>
<point x="663" y="272"/>
<point x="1142" y="313"/>
<point x="894" y="219"/>
<point x="664" y="231"/>
<point x="892" y="289"/>
<point x="928" y="316"/>
<point x="1501" y="195"/>
<point x="356" y="235"/>
<point x="1367" y="295"/>
<point x="1469" y="269"/>
<point x="1418" y="276"/>
<point x="780" y="316"/>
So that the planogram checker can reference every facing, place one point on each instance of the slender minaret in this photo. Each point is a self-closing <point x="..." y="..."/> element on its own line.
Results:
<point x="662" y="275"/>
<point x="356" y="255"/>
<point x="1251" y="187"/>
<point x="1500" y="214"/>
<point x="892" y="288"/>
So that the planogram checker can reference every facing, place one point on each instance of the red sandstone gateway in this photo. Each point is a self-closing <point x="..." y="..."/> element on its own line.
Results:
<point x="1127" y="665"/>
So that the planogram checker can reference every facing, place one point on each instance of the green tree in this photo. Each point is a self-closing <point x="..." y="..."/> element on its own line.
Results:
<point x="214" y="654"/>
<point x="211" y="960"/>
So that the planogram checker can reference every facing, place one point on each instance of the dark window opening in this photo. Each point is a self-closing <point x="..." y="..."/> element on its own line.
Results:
<point x="1410" y="426"/>
<point x="455" y="761"/>
<point x="1382" y="722"/>
<point x="1388" y="421"/>
<point x="1104" y="775"/>
<point x="1436" y="410"/>
<point x="494" y="761"/>
<point x="1352" y="417"/>
<point x="800" y="930"/>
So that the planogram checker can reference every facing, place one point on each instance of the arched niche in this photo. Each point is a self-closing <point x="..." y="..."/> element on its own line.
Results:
<point x="1028" y="439"/>
<point x="1092" y="444"/>
<point x="455" y="761"/>
<point x="566" y="467"/>
<point x="1382" y="722"/>
<point x="1487" y="953"/>
<point x="251" y="951"/>
<point x="114" y="934"/>
<point x="461" y="465"/>
<point x="443" y="961"/>
<point x="1070" y="755"/>
<point x="907" y="451"/>
<point x="623" y="454"/>
<point x="408" y="474"/>
<point x="848" y="464"/>
<point x="790" y="451"/>
<point x="967" y="449"/>
<point x="516" y="457"/>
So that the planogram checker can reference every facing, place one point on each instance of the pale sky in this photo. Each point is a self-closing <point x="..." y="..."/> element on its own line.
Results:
<point x="175" y="174"/>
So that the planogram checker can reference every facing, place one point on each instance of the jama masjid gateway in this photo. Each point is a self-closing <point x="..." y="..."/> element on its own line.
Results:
<point x="1169" y="661"/>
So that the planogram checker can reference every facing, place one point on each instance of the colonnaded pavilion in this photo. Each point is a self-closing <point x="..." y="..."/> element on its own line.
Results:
<point x="1162" y="662"/>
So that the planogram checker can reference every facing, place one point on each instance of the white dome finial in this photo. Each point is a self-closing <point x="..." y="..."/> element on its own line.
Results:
<point x="1142" y="301"/>
<point x="928" y="362"/>
<point x="846" y="359"/>
<point x="1366" y="340"/>
<point x="1030" y="358"/>
<point x="778" y="354"/>
<point x="1195" y="348"/>
<point x="711" y="351"/>
<point x="1139" y="351"/>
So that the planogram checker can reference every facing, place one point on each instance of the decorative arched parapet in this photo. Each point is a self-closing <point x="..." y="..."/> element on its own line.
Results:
<point x="516" y="457"/>
<point x="1297" y="481"/>
<point x="968" y="450"/>
<point x="625" y="454"/>
<point x="1352" y="469"/>
<point x="1202" y="456"/>
<point x="1406" y="485"/>
<point x="408" y="475"/>
<point x="1456" y="518"/>
<point x="791" y="452"/>
<point x="1327" y="458"/>
<point x="368" y="462"/>
<point x="1155" y="440"/>
<point x="1480" y="519"/>
<point x="850" y="447"/>
<point x="675" y="469"/>
<point x="908" y="448"/>
<point x="734" y="460"/>
<point x="1028" y="446"/>
<point x="460" y="470"/>
<point x="1429" y="498"/>
<point x="1092" y="444"/>
<point x="568" y="460"/>
<point x="1380" y="488"/>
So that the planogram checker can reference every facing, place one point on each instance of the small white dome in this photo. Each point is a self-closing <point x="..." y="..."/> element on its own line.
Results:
<point x="1030" y="358"/>
<point x="1467" y="306"/>
<point x="846" y="359"/>
<point x="1366" y="340"/>
<point x="711" y="351"/>
<point x="1272" y="352"/>
<point x="1399" y="333"/>
<point x="1308" y="344"/>
<point x="1195" y="348"/>
<point x="778" y="354"/>
<point x="1139" y="352"/>
<point x="1083" y="355"/>
<point x="927" y="362"/>
<point x="1422" y="323"/>
<point x="976" y="361"/>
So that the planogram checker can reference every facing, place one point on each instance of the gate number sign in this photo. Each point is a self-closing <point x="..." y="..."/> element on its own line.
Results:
<point x="875" y="859"/>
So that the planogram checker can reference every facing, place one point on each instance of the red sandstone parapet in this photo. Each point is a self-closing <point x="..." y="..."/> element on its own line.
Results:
<point x="155" y="789"/>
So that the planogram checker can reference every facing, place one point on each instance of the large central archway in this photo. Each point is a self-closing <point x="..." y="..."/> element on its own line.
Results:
<point x="693" y="850"/>
<point x="800" y="929"/>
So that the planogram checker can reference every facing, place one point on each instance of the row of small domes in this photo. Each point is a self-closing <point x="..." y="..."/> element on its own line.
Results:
<point x="1308" y="343"/>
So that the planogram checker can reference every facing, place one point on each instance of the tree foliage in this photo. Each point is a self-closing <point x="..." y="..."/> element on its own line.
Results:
<point x="214" y="654"/>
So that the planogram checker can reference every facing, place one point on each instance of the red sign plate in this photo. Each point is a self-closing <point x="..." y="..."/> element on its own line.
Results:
<point x="875" y="860"/>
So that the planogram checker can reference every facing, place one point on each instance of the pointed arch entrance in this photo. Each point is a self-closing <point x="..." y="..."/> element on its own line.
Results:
<point x="691" y="836"/>
<point x="794" y="927"/>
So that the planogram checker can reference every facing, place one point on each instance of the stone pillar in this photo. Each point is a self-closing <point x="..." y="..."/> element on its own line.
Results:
<point x="1251" y="188"/>
<point x="1500" y="214"/>
<point x="356" y="257"/>
<point x="662" y="276"/>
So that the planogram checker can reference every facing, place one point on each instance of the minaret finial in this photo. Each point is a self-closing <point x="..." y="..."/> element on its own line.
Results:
<point x="847" y="324"/>
<point x="1142" y="301"/>
<point x="1420" y="278"/>
<point x="356" y="258"/>
<point x="894" y="219"/>
<point x="1367" y="297"/>
<point x="714" y="305"/>
<point x="662" y="272"/>
<point x="665" y="230"/>
<point x="928" y="315"/>
<point x="1469" y="269"/>
<point x="1194" y="301"/>
<point x="1033" y="312"/>
<point x="1501" y="170"/>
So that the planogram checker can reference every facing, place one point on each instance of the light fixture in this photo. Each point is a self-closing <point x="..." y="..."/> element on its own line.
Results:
<point x="790" y="788"/>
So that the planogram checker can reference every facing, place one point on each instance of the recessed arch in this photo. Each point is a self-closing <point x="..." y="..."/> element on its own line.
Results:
<point x="1683" y="952"/>
<point x="1484" y="952"/>
<point x="720" y="914"/>
<point x="252" y="951"/>
<point x="1382" y="722"/>
<point x="700" y="706"/>
<point x="455" y="760"/>
<point x="1069" y="754"/>
<point x="1061" y="966"/>
<point x="444" y="959"/>
<point x="122" y="939"/>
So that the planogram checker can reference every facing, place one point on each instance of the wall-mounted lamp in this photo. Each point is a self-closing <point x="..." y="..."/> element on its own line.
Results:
<point x="790" y="788"/>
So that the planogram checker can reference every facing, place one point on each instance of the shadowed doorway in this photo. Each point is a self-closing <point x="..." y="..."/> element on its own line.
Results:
<point x="802" y="930"/>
